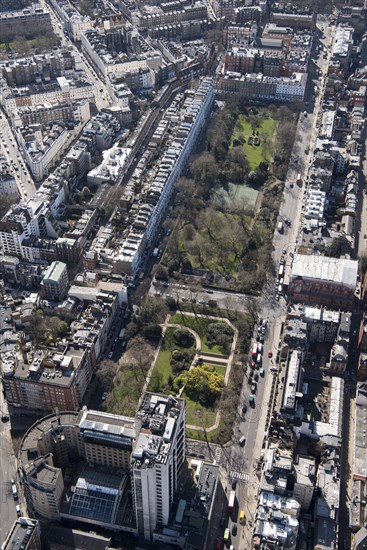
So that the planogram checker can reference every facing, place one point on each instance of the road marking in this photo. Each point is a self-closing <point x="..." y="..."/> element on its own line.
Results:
<point x="217" y="454"/>
<point x="241" y="476"/>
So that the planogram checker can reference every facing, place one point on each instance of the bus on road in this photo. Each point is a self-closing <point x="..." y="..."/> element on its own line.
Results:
<point x="231" y="501"/>
<point x="254" y="350"/>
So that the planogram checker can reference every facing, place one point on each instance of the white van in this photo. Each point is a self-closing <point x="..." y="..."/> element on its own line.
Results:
<point x="258" y="358"/>
<point x="18" y="510"/>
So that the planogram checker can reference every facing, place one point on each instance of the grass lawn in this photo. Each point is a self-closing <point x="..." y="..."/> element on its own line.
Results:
<point x="200" y="326"/>
<point x="266" y="129"/>
<point x="218" y="368"/>
<point x="197" y="414"/>
<point x="162" y="367"/>
<point x="200" y="436"/>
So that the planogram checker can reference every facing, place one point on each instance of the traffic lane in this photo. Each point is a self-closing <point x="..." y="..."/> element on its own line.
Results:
<point x="7" y="472"/>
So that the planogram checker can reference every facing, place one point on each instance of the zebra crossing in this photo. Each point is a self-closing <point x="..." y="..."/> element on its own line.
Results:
<point x="217" y="454"/>
<point x="240" y="476"/>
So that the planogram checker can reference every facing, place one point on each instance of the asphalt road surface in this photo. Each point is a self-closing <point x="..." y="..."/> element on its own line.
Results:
<point x="7" y="472"/>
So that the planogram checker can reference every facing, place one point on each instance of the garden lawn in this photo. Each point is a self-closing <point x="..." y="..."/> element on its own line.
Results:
<point x="162" y="367"/>
<point x="197" y="414"/>
<point x="256" y="153"/>
<point x="218" y="368"/>
<point x="200" y="326"/>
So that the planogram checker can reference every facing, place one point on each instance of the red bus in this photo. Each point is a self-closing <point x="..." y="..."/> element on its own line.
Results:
<point x="231" y="501"/>
<point x="254" y="351"/>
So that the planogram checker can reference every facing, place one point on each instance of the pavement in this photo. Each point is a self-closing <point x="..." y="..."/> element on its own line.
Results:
<point x="17" y="166"/>
<point x="7" y="472"/>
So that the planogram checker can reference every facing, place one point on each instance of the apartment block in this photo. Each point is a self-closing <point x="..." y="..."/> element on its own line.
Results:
<point x="305" y="477"/>
<point x="50" y="380"/>
<point x="55" y="282"/>
<point x="25" y="534"/>
<point x="103" y="454"/>
<point x="37" y="16"/>
<point x="265" y="87"/>
<point x="157" y="460"/>
<point x="323" y="280"/>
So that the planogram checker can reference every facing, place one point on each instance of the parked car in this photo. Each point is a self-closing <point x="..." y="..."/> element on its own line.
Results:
<point x="262" y="371"/>
<point x="270" y="354"/>
<point x="244" y="407"/>
<point x="234" y="530"/>
<point x="253" y="387"/>
<point x="251" y="400"/>
<point x="256" y="376"/>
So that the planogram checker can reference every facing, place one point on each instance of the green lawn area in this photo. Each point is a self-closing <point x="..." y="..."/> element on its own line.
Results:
<point x="197" y="414"/>
<point x="266" y="129"/>
<point x="162" y="368"/>
<point x="218" y="368"/>
<point x="200" y="435"/>
<point x="200" y="326"/>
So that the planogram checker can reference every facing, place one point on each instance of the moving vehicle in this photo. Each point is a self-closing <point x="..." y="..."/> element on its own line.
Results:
<point x="231" y="502"/>
<point x="155" y="252"/>
<point x="226" y="535"/>
<point x="254" y="350"/>
<point x="14" y="491"/>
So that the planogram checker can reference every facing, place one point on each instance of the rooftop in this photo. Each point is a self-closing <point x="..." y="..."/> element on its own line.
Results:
<point x="20" y="534"/>
<point x="324" y="268"/>
<point x="54" y="272"/>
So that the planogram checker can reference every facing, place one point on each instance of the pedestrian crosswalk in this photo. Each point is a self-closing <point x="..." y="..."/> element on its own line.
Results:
<point x="217" y="454"/>
<point x="240" y="476"/>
